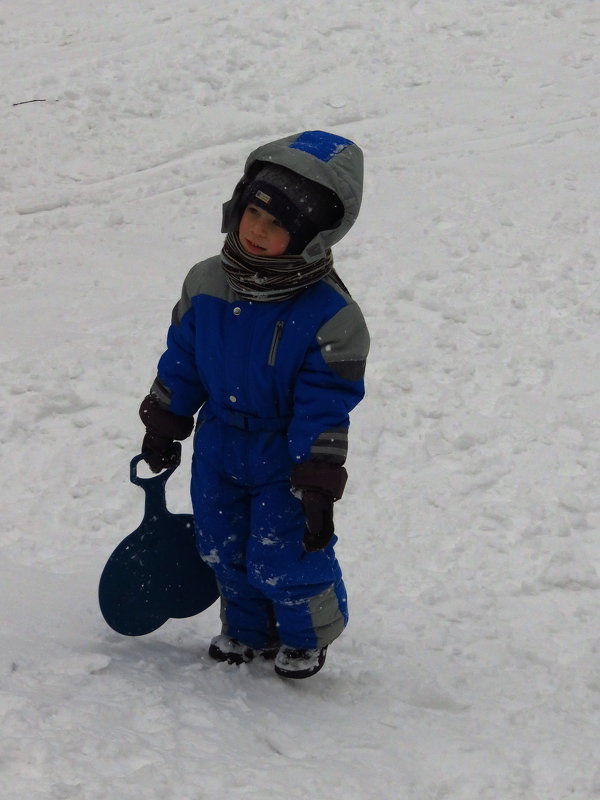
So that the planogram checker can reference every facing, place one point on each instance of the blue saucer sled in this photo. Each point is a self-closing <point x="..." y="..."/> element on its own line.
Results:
<point x="156" y="573"/>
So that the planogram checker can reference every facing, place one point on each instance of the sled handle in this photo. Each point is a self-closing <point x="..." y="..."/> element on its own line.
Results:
<point x="150" y="483"/>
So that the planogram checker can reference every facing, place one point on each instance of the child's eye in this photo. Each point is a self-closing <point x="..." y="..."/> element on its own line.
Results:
<point x="278" y="223"/>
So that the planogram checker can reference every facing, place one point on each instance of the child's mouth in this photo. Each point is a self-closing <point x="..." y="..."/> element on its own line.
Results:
<point x="252" y="246"/>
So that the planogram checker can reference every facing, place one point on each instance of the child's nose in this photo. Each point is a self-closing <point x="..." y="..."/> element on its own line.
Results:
<point x="260" y="226"/>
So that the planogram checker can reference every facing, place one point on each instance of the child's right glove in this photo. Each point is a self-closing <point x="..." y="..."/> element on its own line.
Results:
<point x="318" y="484"/>
<point x="159" y="448"/>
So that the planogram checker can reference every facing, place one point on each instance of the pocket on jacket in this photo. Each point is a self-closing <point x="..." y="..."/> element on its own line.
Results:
<point x="277" y="334"/>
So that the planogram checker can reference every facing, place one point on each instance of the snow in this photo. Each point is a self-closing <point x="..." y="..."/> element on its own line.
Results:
<point x="469" y="530"/>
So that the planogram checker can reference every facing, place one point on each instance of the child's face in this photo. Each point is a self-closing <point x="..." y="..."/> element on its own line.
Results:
<point x="261" y="234"/>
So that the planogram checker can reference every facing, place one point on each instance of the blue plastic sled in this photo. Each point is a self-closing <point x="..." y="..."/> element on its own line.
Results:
<point x="156" y="572"/>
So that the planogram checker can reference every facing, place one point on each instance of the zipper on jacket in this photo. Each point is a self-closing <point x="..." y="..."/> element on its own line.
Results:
<point x="275" y="343"/>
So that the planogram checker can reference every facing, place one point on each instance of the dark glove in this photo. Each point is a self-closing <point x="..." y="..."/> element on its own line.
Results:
<point x="159" y="448"/>
<point x="320" y="484"/>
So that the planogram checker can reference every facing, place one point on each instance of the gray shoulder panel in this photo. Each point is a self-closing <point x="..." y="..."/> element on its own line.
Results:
<point x="344" y="341"/>
<point x="206" y="277"/>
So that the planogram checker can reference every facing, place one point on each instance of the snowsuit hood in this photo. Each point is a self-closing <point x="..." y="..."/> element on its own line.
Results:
<point x="325" y="158"/>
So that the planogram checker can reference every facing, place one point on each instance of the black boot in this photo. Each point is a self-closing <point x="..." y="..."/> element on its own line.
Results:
<point x="224" y="648"/>
<point x="293" y="662"/>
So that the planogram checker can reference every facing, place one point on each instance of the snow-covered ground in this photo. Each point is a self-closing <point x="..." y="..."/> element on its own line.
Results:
<point x="469" y="531"/>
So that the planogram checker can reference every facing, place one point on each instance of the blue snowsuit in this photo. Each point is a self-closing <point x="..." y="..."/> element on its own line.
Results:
<point x="274" y="382"/>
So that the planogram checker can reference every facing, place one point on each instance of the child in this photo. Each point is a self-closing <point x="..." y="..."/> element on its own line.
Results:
<point x="268" y="344"/>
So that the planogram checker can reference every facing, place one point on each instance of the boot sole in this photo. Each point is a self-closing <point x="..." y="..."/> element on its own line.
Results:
<point x="301" y="673"/>
<point x="237" y="658"/>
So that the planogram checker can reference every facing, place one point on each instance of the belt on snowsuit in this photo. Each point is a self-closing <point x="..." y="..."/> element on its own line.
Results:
<point x="247" y="422"/>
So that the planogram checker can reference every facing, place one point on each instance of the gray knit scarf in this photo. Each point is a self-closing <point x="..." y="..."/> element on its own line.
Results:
<point x="265" y="279"/>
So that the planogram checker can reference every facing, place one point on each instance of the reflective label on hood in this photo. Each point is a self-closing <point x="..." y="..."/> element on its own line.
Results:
<point x="321" y="144"/>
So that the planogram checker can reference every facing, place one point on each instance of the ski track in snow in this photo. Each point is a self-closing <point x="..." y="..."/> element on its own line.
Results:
<point x="469" y="531"/>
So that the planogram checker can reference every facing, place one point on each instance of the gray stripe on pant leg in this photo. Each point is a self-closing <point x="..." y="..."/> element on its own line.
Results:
<point x="327" y="619"/>
<point x="223" y="612"/>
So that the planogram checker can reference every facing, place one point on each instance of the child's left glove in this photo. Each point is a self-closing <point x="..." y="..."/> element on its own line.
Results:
<point x="318" y="484"/>
<point x="159" y="447"/>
